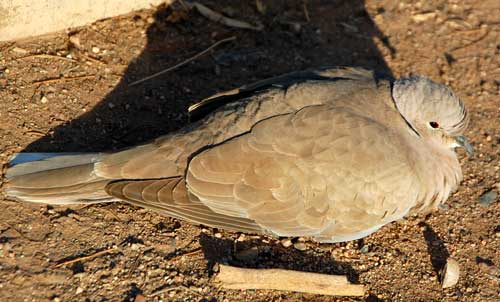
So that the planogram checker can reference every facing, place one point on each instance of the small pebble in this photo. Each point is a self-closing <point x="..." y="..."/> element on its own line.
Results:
<point x="19" y="50"/>
<point x="75" y="41"/>
<point x="286" y="242"/>
<point x="95" y="49"/>
<point x="491" y="270"/>
<point x="135" y="246"/>
<point x="450" y="273"/>
<point x="79" y="290"/>
<point x="443" y="207"/>
<point x="44" y="100"/>
<point x="140" y="298"/>
<point x="296" y="27"/>
<point x="218" y="235"/>
<point x="365" y="249"/>
<point x="487" y="198"/>
<point x="301" y="246"/>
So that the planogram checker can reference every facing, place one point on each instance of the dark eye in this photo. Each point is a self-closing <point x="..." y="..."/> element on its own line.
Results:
<point x="434" y="125"/>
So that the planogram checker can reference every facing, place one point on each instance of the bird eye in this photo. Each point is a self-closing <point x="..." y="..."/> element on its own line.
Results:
<point x="434" y="125"/>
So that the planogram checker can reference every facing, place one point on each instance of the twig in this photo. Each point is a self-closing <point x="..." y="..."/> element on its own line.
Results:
<point x="89" y="58"/>
<point x="86" y="257"/>
<point x="471" y="42"/>
<point x="183" y="62"/>
<point x="36" y="132"/>
<point x="220" y="18"/>
<point x="46" y="56"/>
<point x="62" y="79"/>
<point x="287" y="280"/>
<point x="306" y="11"/>
<point x="196" y="251"/>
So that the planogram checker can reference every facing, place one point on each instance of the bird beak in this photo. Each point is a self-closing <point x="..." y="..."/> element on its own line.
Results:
<point x="462" y="142"/>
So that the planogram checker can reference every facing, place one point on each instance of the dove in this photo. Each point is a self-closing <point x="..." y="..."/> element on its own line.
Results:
<point x="332" y="154"/>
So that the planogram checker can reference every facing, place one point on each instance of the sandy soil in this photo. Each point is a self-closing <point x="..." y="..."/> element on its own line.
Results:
<point x="71" y="92"/>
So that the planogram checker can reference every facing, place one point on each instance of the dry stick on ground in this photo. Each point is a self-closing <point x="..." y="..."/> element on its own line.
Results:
<point x="287" y="280"/>
<point x="220" y="18"/>
<point x="306" y="11"/>
<point x="86" y="257"/>
<point x="182" y="63"/>
<point x="188" y="254"/>
<point x="46" y="56"/>
<point x="62" y="79"/>
<point x="484" y="35"/>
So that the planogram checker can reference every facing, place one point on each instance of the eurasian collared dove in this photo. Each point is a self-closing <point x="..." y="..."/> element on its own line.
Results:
<point x="333" y="154"/>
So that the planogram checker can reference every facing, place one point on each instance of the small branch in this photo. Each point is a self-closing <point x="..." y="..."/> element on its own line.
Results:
<point x="46" y="56"/>
<point x="183" y="62"/>
<point x="279" y="279"/>
<point x="85" y="257"/>
<point x="484" y="35"/>
<point x="62" y="79"/>
<point x="188" y="254"/>
<point x="89" y="58"/>
<point x="306" y="11"/>
<point x="220" y="18"/>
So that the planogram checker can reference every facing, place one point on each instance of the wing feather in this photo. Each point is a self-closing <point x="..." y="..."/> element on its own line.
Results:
<point x="169" y="197"/>
<point x="322" y="171"/>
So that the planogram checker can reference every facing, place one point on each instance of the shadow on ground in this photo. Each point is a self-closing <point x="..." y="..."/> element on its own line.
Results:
<point x="258" y="254"/>
<point x="436" y="248"/>
<point x="338" y="33"/>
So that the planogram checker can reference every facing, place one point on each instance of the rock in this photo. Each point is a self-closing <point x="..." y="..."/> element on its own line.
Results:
<point x="487" y="198"/>
<point x="286" y="242"/>
<point x="365" y="249"/>
<point x="95" y="49"/>
<point x="140" y="298"/>
<point x="301" y="246"/>
<point x="136" y="246"/>
<point x="419" y="18"/>
<point x="490" y="270"/>
<point x="75" y="41"/>
<point x="450" y="273"/>
<point x="79" y="290"/>
<point x="241" y="238"/>
<point x="20" y="51"/>
<point x="44" y="100"/>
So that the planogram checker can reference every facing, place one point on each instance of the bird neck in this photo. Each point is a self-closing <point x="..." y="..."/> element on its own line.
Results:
<point x="440" y="174"/>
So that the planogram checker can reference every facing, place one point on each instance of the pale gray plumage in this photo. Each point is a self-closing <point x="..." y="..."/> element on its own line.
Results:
<point x="333" y="154"/>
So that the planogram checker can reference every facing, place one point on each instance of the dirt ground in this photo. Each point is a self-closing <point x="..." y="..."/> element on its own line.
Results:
<point x="71" y="92"/>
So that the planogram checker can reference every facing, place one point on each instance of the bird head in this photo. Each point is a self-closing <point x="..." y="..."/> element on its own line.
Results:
<point x="433" y="111"/>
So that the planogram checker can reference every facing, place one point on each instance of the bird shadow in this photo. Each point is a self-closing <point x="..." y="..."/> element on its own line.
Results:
<point x="435" y="247"/>
<point x="338" y="33"/>
<point x="255" y="253"/>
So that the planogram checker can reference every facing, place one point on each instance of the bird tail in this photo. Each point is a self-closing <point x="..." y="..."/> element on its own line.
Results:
<point x="55" y="178"/>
